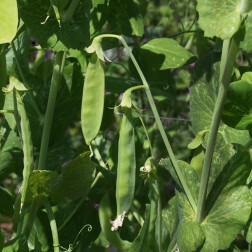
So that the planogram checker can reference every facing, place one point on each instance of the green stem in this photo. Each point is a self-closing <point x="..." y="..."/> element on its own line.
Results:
<point x="4" y="77"/>
<point x="29" y="218"/>
<point x="34" y="103"/>
<point x="27" y="145"/>
<point x="69" y="14"/>
<point x="16" y="115"/>
<point x="53" y="225"/>
<point x="227" y="63"/>
<point x="147" y="135"/>
<point x="56" y="78"/>
<point x="160" y="126"/>
<point x="159" y="219"/>
<point x="7" y="111"/>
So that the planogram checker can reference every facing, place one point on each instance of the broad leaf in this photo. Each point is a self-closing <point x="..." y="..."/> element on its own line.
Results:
<point x="125" y="17"/>
<point x="189" y="174"/>
<point x="238" y="108"/>
<point x="41" y="184"/>
<point x="76" y="179"/>
<point x="174" y="55"/>
<point x="50" y="34"/>
<point x="203" y="96"/>
<point x="6" y="206"/>
<point x="190" y="234"/>
<point x="170" y="220"/>
<point x="220" y="18"/>
<point x="8" y="20"/>
<point x="233" y="174"/>
<point x="226" y="219"/>
<point x="245" y="43"/>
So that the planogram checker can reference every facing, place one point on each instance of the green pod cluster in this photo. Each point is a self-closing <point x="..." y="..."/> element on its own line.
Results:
<point x="126" y="169"/>
<point x="27" y="145"/>
<point x="105" y="216"/>
<point x="93" y="99"/>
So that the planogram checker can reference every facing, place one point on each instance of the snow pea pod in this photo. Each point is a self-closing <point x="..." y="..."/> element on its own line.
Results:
<point x="93" y="99"/>
<point x="27" y="144"/>
<point x="126" y="169"/>
<point x="105" y="215"/>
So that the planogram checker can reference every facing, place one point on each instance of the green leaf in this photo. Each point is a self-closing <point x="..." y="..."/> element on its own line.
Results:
<point x="14" y="83"/>
<point x="8" y="20"/>
<point x="11" y="156"/>
<point x="76" y="179"/>
<point x="220" y="18"/>
<point x="245" y="43"/>
<point x="247" y="77"/>
<point x="188" y="173"/>
<point x="203" y="96"/>
<point x="41" y="184"/>
<point x="38" y="236"/>
<point x="190" y="233"/>
<point x="99" y="14"/>
<point x="2" y="237"/>
<point x="71" y="34"/>
<point x="234" y="173"/>
<point x="170" y="221"/>
<point x="125" y="17"/>
<point x="237" y="111"/>
<point x="18" y="244"/>
<point x="6" y="207"/>
<point x="175" y="55"/>
<point x="197" y="141"/>
<point x="226" y="219"/>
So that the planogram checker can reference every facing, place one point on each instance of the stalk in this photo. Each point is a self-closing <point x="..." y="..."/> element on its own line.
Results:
<point x="227" y="62"/>
<point x="71" y="10"/>
<point x="56" y="78"/>
<point x="53" y="225"/>
<point x="225" y="75"/>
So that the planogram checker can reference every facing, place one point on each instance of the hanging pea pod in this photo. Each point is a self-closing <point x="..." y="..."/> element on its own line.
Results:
<point x="93" y="99"/>
<point x="126" y="169"/>
<point x="105" y="216"/>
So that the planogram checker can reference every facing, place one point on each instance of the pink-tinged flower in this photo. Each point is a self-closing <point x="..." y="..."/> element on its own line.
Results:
<point x="192" y="64"/>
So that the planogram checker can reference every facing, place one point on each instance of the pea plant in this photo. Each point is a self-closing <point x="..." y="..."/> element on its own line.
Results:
<point x="125" y="125"/>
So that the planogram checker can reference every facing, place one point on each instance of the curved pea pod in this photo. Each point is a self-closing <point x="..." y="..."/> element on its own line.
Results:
<point x="105" y="216"/>
<point x="93" y="99"/>
<point x="126" y="169"/>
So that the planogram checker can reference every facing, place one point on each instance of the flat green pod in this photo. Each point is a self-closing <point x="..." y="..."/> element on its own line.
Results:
<point x="93" y="99"/>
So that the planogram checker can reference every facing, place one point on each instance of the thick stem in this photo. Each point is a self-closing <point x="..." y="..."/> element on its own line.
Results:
<point x="69" y="14"/>
<point x="53" y="225"/>
<point x="56" y="78"/>
<point x="160" y="126"/>
<point x="227" y="61"/>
